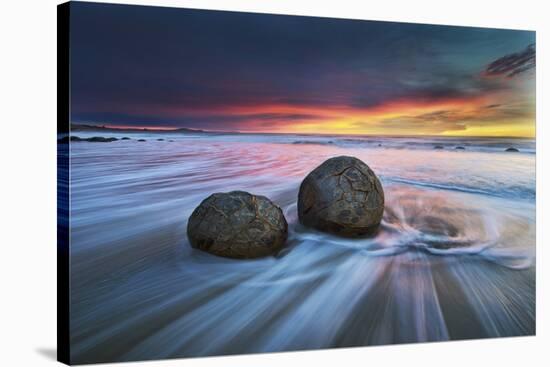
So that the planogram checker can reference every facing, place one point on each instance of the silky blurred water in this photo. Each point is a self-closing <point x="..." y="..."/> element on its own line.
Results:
<point x="455" y="258"/>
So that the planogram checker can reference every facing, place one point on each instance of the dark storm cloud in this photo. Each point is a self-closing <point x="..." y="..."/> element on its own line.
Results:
<point x="135" y="65"/>
<point x="513" y="64"/>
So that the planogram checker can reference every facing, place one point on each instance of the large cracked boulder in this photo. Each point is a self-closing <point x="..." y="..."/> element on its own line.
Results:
<point x="237" y="224"/>
<point x="342" y="196"/>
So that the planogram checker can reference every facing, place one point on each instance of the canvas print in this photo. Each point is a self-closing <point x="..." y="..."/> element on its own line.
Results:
<point x="235" y="183"/>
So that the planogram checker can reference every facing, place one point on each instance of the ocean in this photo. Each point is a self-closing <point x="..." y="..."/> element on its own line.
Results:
<point x="454" y="258"/>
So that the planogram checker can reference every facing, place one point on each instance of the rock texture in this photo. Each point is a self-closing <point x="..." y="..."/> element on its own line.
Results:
<point x="237" y="224"/>
<point x="342" y="196"/>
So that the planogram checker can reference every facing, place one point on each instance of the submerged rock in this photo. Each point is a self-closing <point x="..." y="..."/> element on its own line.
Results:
<point x="438" y="147"/>
<point x="125" y="138"/>
<point x="95" y="139"/>
<point x="160" y="139"/>
<point x="308" y="142"/>
<point x="100" y="139"/>
<point x="460" y="148"/>
<point x="511" y="149"/>
<point x="67" y="138"/>
<point x="142" y="140"/>
<point x="342" y="196"/>
<point x="237" y="224"/>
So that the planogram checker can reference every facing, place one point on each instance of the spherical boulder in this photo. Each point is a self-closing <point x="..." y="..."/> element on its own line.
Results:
<point x="342" y="196"/>
<point x="237" y="224"/>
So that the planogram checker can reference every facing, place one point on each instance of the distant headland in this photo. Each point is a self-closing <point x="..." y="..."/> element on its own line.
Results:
<point x="105" y="128"/>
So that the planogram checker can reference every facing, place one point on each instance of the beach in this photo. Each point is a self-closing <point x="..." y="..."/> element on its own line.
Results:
<point x="454" y="257"/>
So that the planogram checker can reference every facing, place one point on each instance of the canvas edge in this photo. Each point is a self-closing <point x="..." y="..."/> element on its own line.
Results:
<point x="63" y="214"/>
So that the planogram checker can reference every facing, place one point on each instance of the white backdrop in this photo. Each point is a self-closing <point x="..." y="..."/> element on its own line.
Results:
<point x="28" y="182"/>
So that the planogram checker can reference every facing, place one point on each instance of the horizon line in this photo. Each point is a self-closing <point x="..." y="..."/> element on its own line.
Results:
<point x="172" y="128"/>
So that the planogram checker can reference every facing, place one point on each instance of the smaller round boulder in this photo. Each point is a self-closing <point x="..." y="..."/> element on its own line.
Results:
<point x="342" y="196"/>
<point x="238" y="225"/>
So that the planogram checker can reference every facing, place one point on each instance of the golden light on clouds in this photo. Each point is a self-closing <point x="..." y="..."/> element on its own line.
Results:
<point x="472" y="117"/>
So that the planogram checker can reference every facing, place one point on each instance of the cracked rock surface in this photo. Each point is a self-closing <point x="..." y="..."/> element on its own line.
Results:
<point x="342" y="196"/>
<point x="237" y="224"/>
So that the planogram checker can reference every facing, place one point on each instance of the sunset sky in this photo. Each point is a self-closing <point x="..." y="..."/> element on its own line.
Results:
<point x="226" y="71"/>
